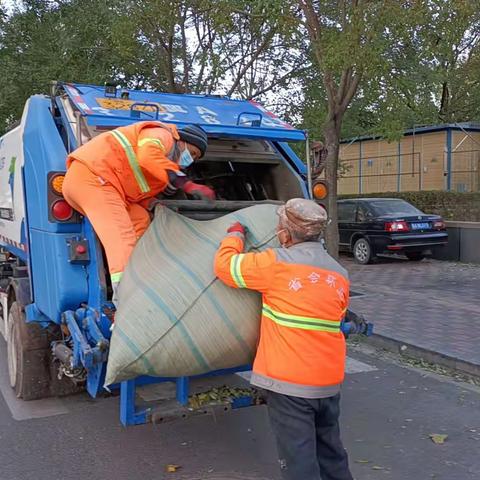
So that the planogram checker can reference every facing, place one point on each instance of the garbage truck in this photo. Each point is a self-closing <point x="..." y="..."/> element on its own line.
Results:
<point x="55" y="293"/>
<point x="56" y="309"/>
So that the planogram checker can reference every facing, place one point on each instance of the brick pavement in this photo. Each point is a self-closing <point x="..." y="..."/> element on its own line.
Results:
<point x="431" y="304"/>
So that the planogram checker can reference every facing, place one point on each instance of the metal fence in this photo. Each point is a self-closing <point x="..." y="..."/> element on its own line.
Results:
<point x="459" y="171"/>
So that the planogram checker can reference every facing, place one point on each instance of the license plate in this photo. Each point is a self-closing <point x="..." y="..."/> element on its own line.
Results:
<point x="420" y="226"/>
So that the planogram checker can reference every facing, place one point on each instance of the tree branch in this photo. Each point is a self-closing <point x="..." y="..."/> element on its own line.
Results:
<point x="251" y="61"/>
<point x="352" y="89"/>
<point x="186" y="69"/>
<point x="296" y="70"/>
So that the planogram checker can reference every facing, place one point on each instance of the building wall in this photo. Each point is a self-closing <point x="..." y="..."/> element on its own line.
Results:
<point x="349" y="167"/>
<point x="432" y="157"/>
<point x="416" y="162"/>
<point x="465" y="160"/>
<point x="379" y="163"/>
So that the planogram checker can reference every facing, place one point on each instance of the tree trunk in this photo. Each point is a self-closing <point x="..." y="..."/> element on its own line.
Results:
<point x="332" y="143"/>
<point x="444" y="104"/>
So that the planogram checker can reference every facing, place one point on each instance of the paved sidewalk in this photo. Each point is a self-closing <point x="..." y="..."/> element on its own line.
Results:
<point x="431" y="305"/>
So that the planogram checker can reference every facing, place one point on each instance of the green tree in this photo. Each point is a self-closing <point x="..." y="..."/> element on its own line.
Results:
<point x="447" y="51"/>
<point x="240" y="48"/>
<point x="349" y="41"/>
<point x="43" y="41"/>
<point x="243" y="49"/>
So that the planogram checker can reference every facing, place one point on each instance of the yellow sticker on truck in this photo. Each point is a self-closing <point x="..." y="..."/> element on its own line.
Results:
<point x="124" y="104"/>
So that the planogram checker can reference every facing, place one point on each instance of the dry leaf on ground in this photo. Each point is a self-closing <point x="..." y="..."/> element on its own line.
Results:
<point x="172" y="468"/>
<point x="438" y="438"/>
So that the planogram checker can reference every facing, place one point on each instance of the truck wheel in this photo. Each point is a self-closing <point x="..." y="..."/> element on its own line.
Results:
<point x="362" y="251"/>
<point x="27" y="350"/>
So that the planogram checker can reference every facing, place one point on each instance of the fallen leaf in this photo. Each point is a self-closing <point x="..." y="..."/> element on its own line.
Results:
<point x="172" y="468"/>
<point x="362" y="461"/>
<point x="377" y="467"/>
<point x="438" y="438"/>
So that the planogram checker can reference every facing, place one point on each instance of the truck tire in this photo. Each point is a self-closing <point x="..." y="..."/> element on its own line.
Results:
<point x="28" y="356"/>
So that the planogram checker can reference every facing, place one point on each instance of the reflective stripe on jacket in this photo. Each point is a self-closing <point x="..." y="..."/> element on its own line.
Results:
<point x="134" y="159"/>
<point x="305" y="294"/>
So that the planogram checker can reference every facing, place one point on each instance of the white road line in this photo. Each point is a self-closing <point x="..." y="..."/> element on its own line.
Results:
<point x="356" y="366"/>
<point x="20" y="409"/>
<point x="353" y="366"/>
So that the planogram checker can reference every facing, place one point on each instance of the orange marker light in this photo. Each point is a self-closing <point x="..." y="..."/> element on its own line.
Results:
<point x="57" y="183"/>
<point x="320" y="191"/>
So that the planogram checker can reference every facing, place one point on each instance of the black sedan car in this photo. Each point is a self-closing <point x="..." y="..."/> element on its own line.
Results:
<point x="372" y="226"/>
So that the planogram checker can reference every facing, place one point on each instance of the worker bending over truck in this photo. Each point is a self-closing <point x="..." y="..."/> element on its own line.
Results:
<point x="114" y="178"/>
<point x="301" y="354"/>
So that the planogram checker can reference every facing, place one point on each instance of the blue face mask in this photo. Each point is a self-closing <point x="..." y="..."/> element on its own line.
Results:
<point x="185" y="159"/>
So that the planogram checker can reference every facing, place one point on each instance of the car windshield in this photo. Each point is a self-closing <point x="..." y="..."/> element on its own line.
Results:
<point x="394" y="208"/>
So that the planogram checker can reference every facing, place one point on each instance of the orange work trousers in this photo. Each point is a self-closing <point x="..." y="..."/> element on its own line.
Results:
<point x="117" y="223"/>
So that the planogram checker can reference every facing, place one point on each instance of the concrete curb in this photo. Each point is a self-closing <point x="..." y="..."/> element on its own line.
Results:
<point x="413" y="351"/>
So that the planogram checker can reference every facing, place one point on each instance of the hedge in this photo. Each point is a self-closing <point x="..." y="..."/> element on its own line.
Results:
<point x="450" y="205"/>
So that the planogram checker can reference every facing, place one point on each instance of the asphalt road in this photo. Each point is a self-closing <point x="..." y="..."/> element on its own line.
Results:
<point x="389" y="411"/>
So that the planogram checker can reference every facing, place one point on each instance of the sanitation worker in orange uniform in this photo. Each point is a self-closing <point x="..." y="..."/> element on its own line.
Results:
<point x="114" y="178"/>
<point x="300" y="359"/>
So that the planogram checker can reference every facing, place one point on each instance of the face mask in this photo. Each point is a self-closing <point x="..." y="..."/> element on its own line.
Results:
<point x="185" y="159"/>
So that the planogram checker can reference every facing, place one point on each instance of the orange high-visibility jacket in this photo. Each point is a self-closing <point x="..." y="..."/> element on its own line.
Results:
<point x="134" y="159"/>
<point x="305" y="295"/>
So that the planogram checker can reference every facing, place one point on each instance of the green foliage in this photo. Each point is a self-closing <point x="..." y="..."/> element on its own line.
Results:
<point x="44" y="41"/>
<point x="423" y="69"/>
<point x="419" y="61"/>
<point x="242" y="48"/>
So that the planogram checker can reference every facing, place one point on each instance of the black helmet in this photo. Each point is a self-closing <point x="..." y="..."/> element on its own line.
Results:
<point x="194" y="135"/>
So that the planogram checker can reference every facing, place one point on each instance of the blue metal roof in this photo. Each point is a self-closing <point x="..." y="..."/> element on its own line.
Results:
<point x="468" y="126"/>
<point x="217" y="115"/>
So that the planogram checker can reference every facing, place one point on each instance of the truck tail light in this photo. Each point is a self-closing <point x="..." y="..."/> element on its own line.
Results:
<point x="400" y="226"/>
<point x="439" y="225"/>
<point x="61" y="211"/>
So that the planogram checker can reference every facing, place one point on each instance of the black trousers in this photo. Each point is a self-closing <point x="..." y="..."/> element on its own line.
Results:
<point x="308" y="437"/>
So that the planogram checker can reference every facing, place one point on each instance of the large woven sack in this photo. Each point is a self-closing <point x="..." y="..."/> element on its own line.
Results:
<point x="174" y="317"/>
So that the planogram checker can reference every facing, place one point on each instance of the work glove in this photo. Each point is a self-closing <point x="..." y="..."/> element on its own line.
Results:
<point x="237" y="227"/>
<point x="198" y="191"/>
<point x="176" y="180"/>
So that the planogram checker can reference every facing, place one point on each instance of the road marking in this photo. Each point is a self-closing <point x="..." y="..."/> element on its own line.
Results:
<point x="21" y="410"/>
<point x="245" y="375"/>
<point x="352" y="366"/>
<point x="356" y="366"/>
